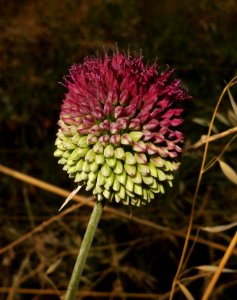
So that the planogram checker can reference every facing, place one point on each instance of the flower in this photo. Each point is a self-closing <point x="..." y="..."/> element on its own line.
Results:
<point x="119" y="127"/>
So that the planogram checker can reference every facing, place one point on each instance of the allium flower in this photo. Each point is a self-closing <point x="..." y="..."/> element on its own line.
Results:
<point x="119" y="128"/>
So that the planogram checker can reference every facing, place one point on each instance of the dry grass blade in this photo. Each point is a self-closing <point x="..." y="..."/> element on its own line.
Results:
<point x="219" y="269"/>
<point x="228" y="171"/>
<point x="212" y="269"/>
<point x="185" y="291"/>
<point x="232" y="101"/>
<point x="219" y="228"/>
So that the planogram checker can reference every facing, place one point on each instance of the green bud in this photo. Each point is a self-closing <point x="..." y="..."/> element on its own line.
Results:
<point x="122" y="177"/>
<point x="136" y="135"/>
<point x="72" y="169"/>
<point x="119" y="153"/>
<point x="91" y="139"/>
<point x="83" y="151"/>
<point x="75" y="139"/>
<point x="78" y="177"/>
<point x="84" y="175"/>
<point x="161" y="175"/>
<point x="116" y="185"/>
<point x="98" y="148"/>
<point x="111" y="161"/>
<point x="153" y="170"/>
<point x="137" y="178"/>
<point x="79" y="165"/>
<point x="118" y="167"/>
<point x="126" y="201"/>
<point x="92" y="176"/>
<point x="62" y="161"/>
<point x="169" y="176"/>
<point x="89" y="185"/>
<point x="100" y="179"/>
<point x="90" y="156"/>
<point x="129" y="184"/>
<point x="144" y="194"/>
<point x="109" y="181"/>
<point x="144" y="169"/>
<point x="86" y="166"/>
<point x="162" y="190"/>
<point x="109" y="151"/>
<point x="100" y="159"/>
<point x="65" y="167"/>
<point x="122" y="192"/>
<point x="94" y="167"/>
<point x="129" y="159"/>
<point x="138" y="189"/>
<point x="58" y="153"/>
<point x="148" y="180"/>
<point x="66" y="154"/>
<point x="82" y="143"/>
<point x="170" y="183"/>
<point x="158" y="161"/>
<point x="130" y="169"/>
<point x="106" y="170"/>
<point x="154" y="185"/>
<point x="117" y="198"/>
<point x="75" y="155"/>
<point x="106" y="194"/>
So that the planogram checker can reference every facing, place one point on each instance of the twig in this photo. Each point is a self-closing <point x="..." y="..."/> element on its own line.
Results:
<point x="207" y="139"/>
<point x="222" y="264"/>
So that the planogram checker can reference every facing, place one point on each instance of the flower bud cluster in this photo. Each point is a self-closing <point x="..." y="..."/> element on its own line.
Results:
<point x="119" y="125"/>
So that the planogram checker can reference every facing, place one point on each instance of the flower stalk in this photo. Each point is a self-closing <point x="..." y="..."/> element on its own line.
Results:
<point x="84" y="250"/>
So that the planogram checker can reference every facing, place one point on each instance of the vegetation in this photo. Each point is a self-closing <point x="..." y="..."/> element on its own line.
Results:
<point x="136" y="253"/>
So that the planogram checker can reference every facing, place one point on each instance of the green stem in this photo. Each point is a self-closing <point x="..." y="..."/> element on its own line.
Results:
<point x="84" y="250"/>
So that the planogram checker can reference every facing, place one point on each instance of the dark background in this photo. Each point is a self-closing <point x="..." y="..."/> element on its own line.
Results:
<point x="39" y="41"/>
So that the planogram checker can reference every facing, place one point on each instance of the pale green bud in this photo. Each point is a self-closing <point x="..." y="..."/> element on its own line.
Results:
<point x="98" y="148"/>
<point x="153" y="170"/>
<point x="138" y="178"/>
<point x="129" y="159"/>
<point x="130" y="169"/>
<point x="106" y="170"/>
<point x="86" y="166"/>
<point x="109" y="151"/>
<point x="122" y="177"/>
<point x="136" y="135"/>
<point x="144" y="169"/>
<point x="90" y="156"/>
<point x="129" y="184"/>
<point x="148" y="180"/>
<point x="111" y="161"/>
<point x="100" y="179"/>
<point x="58" y="153"/>
<point x="161" y="175"/>
<point x="118" y="167"/>
<point x="116" y="185"/>
<point x="119" y="153"/>
<point x="79" y="165"/>
<point x="82" y="143"/>
<point x="100" y="159"/>
<point x="138" y="189"/>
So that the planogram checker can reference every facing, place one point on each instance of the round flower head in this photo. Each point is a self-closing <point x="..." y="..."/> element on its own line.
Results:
<point x="119" y="128"/>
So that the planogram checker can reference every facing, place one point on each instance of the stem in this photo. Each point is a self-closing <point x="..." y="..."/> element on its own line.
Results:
<point x="84" y="250"/>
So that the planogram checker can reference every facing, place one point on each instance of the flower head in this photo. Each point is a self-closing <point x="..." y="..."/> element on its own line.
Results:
<point x="119" y="127"/>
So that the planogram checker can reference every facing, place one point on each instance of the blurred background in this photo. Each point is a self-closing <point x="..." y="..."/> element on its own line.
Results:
<point x="39" y="41"/>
